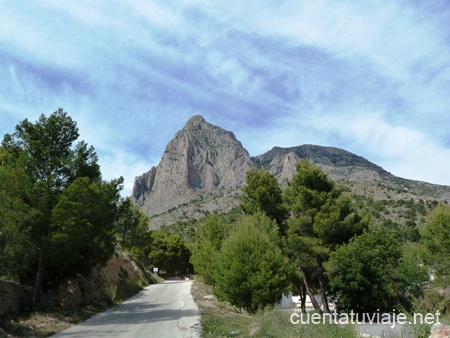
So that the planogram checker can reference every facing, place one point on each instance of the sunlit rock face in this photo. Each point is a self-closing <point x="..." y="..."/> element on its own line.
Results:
<point x="200" y="159"/>
<point x="204" y="166"/>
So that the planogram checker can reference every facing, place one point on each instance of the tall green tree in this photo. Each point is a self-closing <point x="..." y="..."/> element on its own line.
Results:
<point x="169" y="253"/>
<point x="435" y="243"/>
<point x="82" y="226"/>
<point x="16" y="248"/>
<point x="206" y="247"/>
<point x="251" y="271"/>
<point x="322" y="218"/>
<point x="263" y="193"/>
<point x="131" y="224"/>
<point x="364" y="274"/>
<point x="51" y="162"/>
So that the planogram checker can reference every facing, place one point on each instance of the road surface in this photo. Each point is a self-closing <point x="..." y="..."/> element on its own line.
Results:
<point x="160" y="310"/>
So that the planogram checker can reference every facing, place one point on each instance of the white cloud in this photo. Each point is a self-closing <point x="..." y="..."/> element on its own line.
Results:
<point x="373" y="78"/>
<point x="125" y="164"/>
<point x="406" y="152"/>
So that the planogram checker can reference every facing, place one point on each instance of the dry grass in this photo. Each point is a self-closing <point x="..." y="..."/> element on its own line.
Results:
<point x="47" y="323"/>
<point x="220" y="319"/>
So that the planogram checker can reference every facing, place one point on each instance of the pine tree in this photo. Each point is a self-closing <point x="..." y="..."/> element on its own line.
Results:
<point x="56" y="172"/>
<point x="322" y="218"/>
<point x="251" y="271"/>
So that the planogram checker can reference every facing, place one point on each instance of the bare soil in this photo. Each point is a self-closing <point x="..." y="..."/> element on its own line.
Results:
<point x="45" y="323"/>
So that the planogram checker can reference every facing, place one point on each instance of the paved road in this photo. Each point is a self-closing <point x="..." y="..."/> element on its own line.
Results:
<point x="160" y="310"/>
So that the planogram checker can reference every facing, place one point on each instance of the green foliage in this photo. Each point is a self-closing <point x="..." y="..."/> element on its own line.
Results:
<point x="16" y="248"/>
<point x="263" y="193"/>
<point x="319" y="209"/>
<point x="221" y="320"/>
<point x="45" y="149"/>
<point x="131" y="225"/>
<point x="323" y="218"/>
<point x="169" y="253"/>
<point x="251" y="270"/>
<point x="55" y="204"/>
<point x="368" y="269"/>
<point x="363" y="273"/>
<point x="413" y="275"/>
<point x="208" y="242"/>
<point x="82" y="226"/>
<point x="435" y="241"/>
<point x="204" y="260"/>
<point x="406" y="214"/>
<point x="308" y="190"/>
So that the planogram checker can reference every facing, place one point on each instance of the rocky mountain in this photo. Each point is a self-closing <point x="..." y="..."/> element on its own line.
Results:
<point x="201" y="170"/>
<point x="339" y="164"/>
<point x="204" y="166"/>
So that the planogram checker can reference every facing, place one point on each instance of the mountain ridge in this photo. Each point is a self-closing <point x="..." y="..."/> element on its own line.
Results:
<point x="203" y="169"/>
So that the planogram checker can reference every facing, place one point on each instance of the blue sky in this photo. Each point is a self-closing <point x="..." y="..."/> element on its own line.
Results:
<point x="371" y="77"/>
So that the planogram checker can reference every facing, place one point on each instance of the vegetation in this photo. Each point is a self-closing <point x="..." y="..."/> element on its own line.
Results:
<point x="263" y="193"/>
<point x="332" y="245"/>
<point x="131" y="226"/>
<point x="252" y="272"/>
<point x="57" y="207"/>
<point x="206" y="248"/>
<point x="322" y="218"/>
<point x="59" y="218"/>
<point x="219" y="319"/>
<point x="170" y="254"/>
<point x="365" y="272"/>
<point x="435" y="243"/>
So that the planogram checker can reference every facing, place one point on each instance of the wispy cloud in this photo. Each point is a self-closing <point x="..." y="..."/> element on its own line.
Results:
<point x="372" y="78"/>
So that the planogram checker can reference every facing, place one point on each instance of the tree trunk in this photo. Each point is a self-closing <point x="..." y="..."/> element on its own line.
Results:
<point x="303" y="298"/>
<point x="38" y="282"/>
<point x="131" y="243"/>
<point x="323" y="293"/>
<point x="311" y="296"/>
<point x="123" y="238"/>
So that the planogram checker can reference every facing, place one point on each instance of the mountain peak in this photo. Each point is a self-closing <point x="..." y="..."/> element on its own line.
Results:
<point x="201" y="158"/>
<point x="195" y="120"/>
<point x="204" y="167"/>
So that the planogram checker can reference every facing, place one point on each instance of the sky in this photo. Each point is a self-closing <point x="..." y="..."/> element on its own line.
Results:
<point x="371" y="77"/>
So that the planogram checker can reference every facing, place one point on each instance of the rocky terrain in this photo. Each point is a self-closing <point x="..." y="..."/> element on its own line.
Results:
<point x="203" y="169"/>
<point x="75" y="300"/>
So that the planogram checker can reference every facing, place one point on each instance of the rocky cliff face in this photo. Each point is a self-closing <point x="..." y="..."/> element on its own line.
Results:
<point x="200" y="162"/>
<point x="203" y="168"/>
<point x="339" y="164"/>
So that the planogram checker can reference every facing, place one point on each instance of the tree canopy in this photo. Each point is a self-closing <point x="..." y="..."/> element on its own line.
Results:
<point x="330" y="245"/>
<point x="251" y="271"/>
<point x="322" y="218"/>
<point x="263" y="193"/>
<point x="435" y="243"/>
<point x="363" y="272"/>
<point x="57" y="203"/>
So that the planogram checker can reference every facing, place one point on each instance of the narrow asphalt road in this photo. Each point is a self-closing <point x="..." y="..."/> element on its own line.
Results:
<point x="160" y="310"/>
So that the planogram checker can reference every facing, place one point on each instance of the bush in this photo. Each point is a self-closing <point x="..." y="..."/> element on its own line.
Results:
<point x="251" y="270"/>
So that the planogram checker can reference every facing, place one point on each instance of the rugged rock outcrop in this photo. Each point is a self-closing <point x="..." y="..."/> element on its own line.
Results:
<point x="14" y="298"/>
<point x="201" y="159"/>
<point x="204" y="166"/>
<point x="92" y="288"/>
<point x="339" y="164"/>
<point x="440" y="331"/>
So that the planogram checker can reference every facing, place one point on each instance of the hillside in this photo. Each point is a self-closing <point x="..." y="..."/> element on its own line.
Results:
<point x="203" y="169"/>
